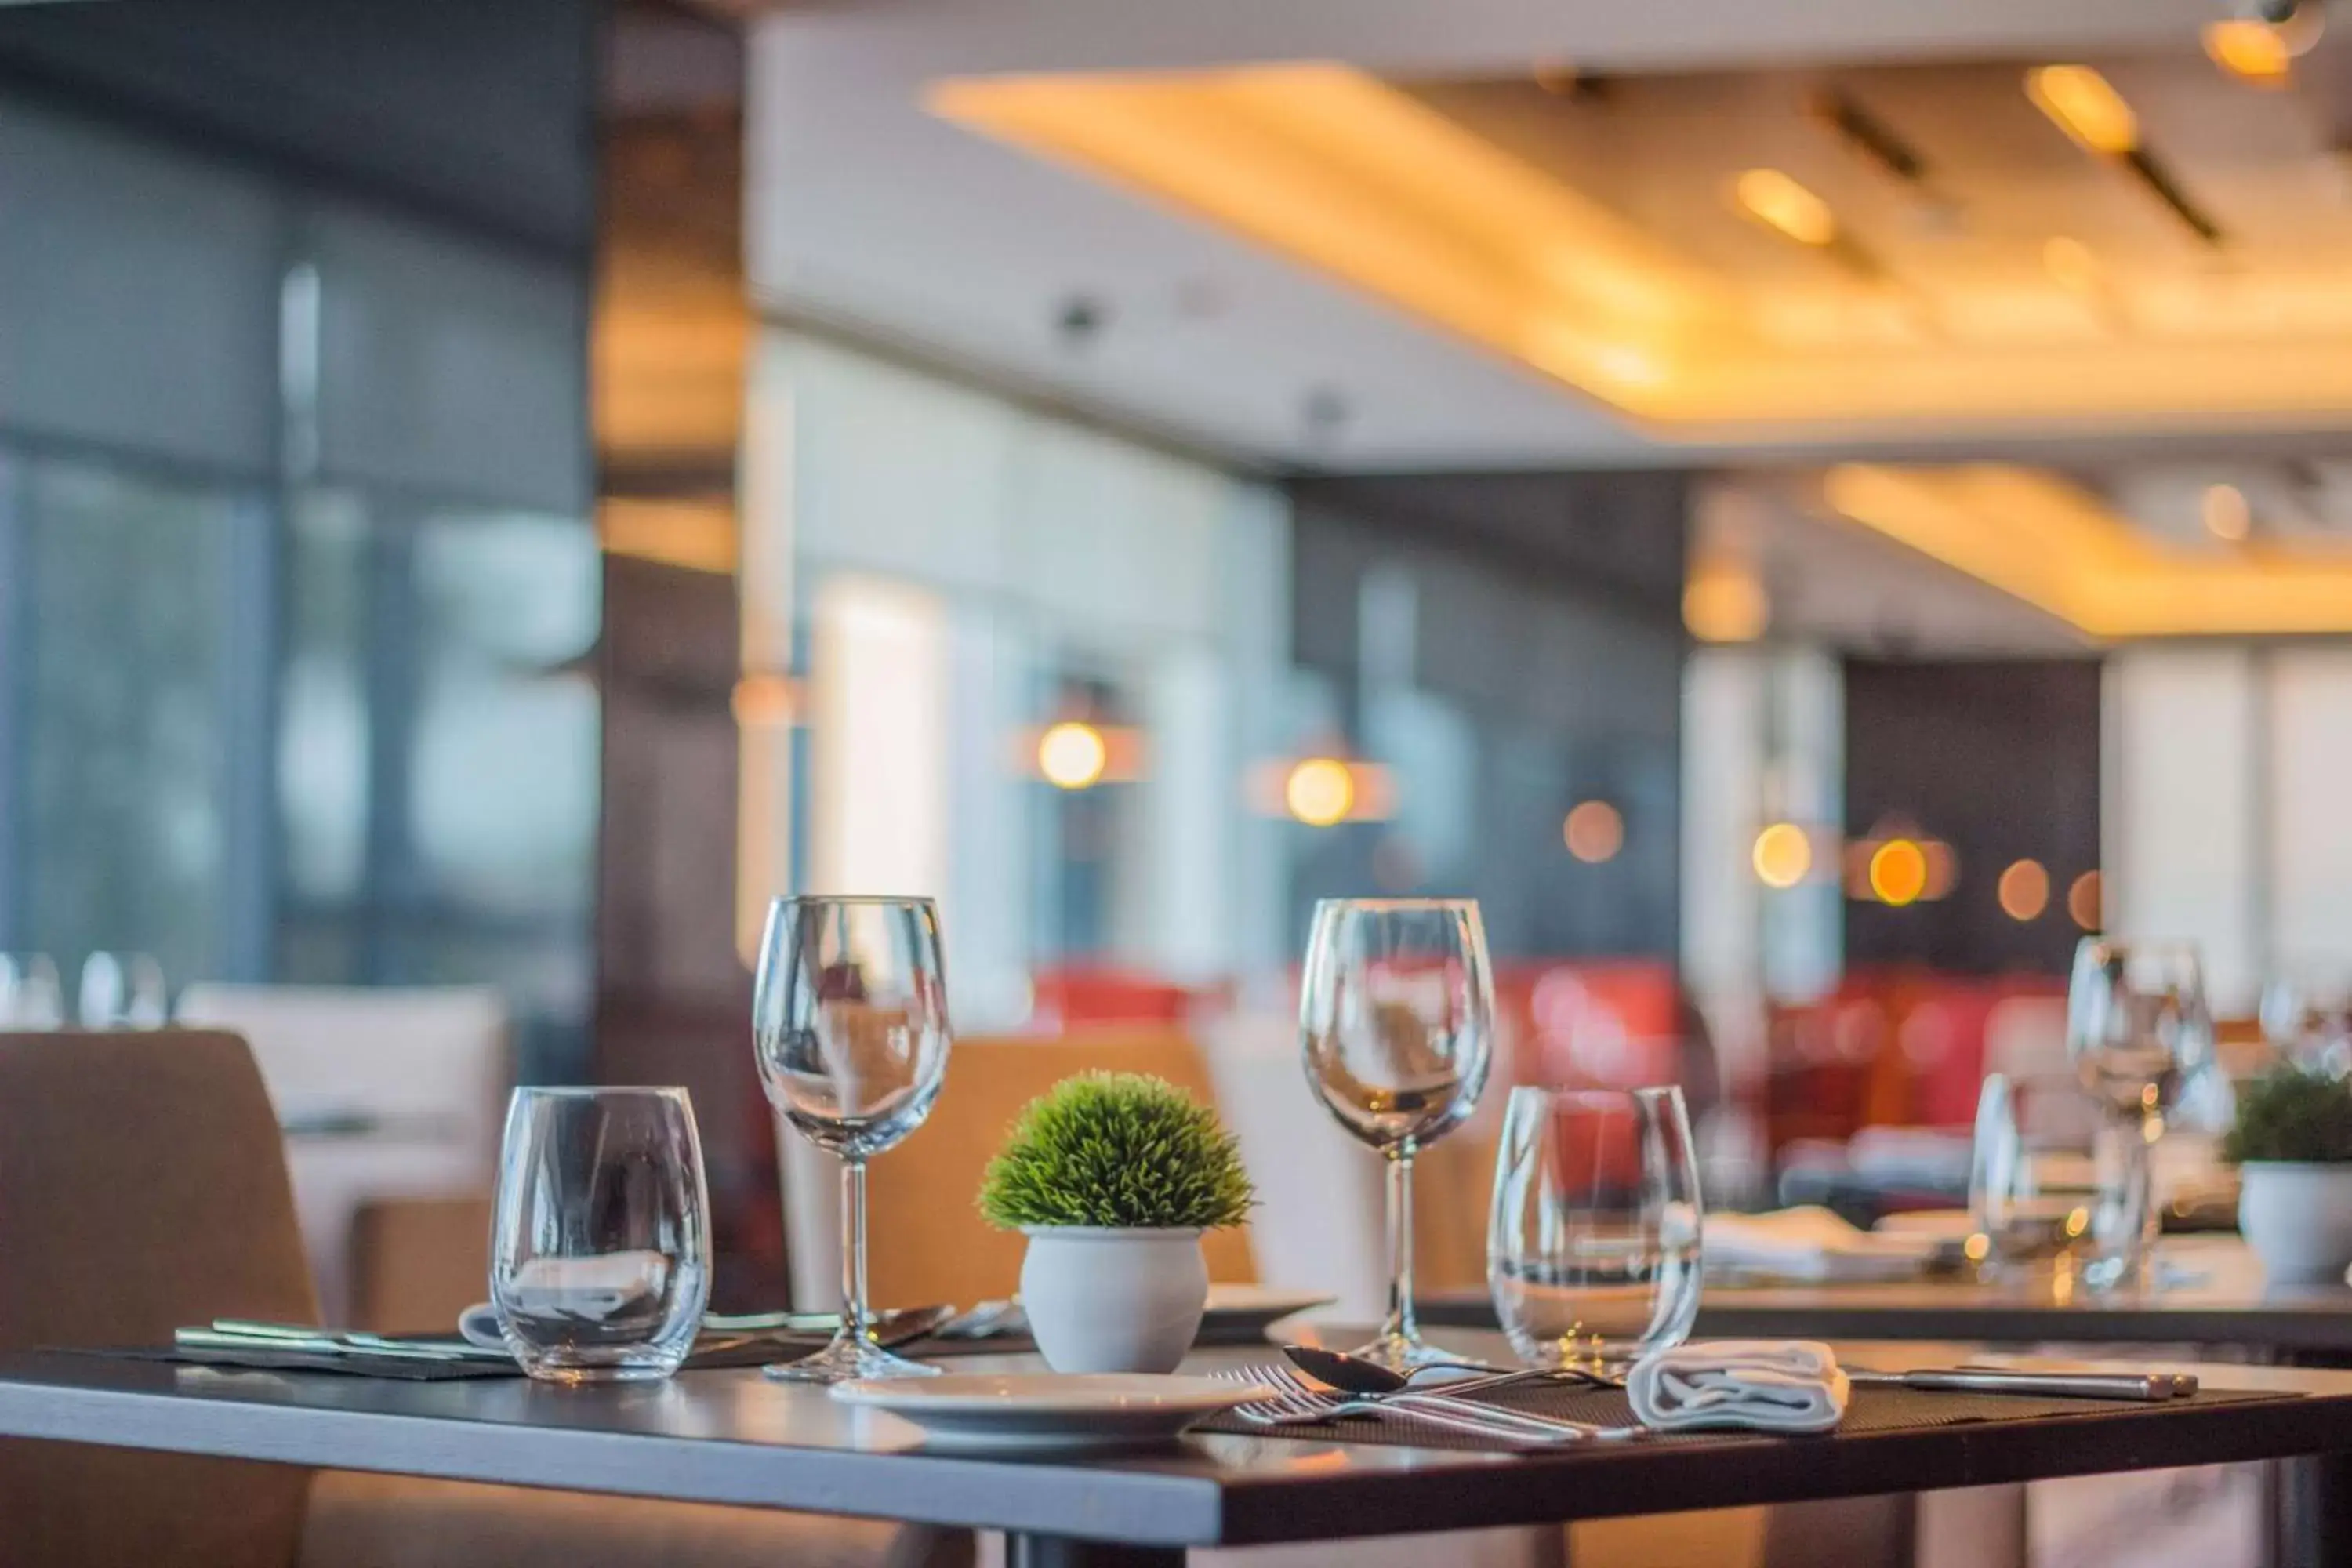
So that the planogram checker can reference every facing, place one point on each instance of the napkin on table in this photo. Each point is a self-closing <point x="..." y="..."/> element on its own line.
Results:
<point x="1762" y="1385"/>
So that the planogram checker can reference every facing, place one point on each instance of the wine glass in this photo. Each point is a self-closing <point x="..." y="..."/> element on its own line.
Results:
<point x="1396" y="1023"/>
<point x="2307" y="1017"/>
<point x="600" y="1265"/>
<point x="850" y="1023"/>
<point x="2137" y="1029"/>
<point x="121" y="991"/>
<point x="1593" y="1248"/>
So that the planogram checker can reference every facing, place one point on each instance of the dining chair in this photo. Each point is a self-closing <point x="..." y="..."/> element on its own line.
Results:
<point x="141" y="1189"/>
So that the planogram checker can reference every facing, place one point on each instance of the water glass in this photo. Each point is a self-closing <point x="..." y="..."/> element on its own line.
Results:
<point x="2137" y="1030"/>
<point x="2307" y="1017"/>
<point x="2023" y="1210"/>
<point x="121" y="991"/>
<point x="1396" y="1021"/>
<point x="30" y="997"/>
<point x="599" y="1264"/>
<point x="850" y="1024"/>
<point x="1592" y="1249"/>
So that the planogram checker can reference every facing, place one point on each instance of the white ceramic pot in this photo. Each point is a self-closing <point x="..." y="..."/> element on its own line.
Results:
<point x="2297" y="1218"/>
<point x="1113" y="1301"/>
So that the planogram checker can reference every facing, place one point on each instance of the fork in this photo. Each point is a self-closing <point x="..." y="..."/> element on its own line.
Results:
<point x="1295" y="1403"/>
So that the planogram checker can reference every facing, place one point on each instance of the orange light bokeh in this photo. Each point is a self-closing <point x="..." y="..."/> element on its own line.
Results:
<point x="1595" y="831"/>
<point x="2024" y="891"/>
<point x="1898" y="872"/>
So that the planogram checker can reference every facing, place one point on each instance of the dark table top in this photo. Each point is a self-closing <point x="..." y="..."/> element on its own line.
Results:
<point x="2214" y="1295"/>
<point x="732" y="1436"/>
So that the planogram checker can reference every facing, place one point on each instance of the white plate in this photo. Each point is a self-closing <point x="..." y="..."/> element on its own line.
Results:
<point x="1246" y="1309"/>
<point x="1039" y="1411"/>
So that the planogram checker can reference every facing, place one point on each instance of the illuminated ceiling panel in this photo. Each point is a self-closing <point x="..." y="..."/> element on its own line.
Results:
<point x="2060" y="549"/>
<point x="1602" y="238"/>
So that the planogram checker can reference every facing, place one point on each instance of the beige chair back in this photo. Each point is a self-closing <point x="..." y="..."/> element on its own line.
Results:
<point x="929" y="1242"/>
<point x="140" y="1188"/>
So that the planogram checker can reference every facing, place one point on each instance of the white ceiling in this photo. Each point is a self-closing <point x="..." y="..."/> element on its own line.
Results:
<point x="867" y="212"/>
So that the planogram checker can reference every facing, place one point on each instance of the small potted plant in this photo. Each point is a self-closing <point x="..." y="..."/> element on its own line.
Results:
<point x="2293" y="1146"/>
<point x="1113" y="1177"/>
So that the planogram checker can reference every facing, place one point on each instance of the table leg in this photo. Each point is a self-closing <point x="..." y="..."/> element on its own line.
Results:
<point x="2312" y="1526"/>
<point x="1024" y="1550"/>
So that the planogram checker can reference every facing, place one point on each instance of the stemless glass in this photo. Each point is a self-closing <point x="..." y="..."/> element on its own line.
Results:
<point x="121" y="991"/>
<point x="1396" y="1023"/>
<point x="2138" y="1029"/>
<point x="2021" y="1209"/>
<point x="1592" y="1249"/>
<point x="599" y="1264"/>
<point x="850" y="1021"/>
<point x="29" y="996"/>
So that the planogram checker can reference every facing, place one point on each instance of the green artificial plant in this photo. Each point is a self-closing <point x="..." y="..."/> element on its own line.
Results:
<point x="1121" y="1150"/>
<point x="2293" y="1115"/>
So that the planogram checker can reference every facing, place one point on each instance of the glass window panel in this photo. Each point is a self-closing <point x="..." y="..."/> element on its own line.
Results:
<point x="502" y="776"/>
<point x="323" y="741"/>
<point x="138" y="294"/>
<point x="128" y="727"/>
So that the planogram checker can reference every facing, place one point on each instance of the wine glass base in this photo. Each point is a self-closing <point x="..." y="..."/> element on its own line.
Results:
<point x="1400" y="1353"/>
<point x="848" y="1360"/>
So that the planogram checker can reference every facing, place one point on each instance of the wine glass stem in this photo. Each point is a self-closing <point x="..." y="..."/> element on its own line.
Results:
<point x="853" y="1248"/>
<point x="1402" y="1324"/>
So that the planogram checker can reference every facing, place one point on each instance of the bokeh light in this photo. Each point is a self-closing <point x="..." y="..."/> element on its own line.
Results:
<point x="1319" y="792"/>
<point x="1072" y="755"/>
<point x="2024" y="891"/>
<point x="1783" y="855"/>
<point x="2085" y="901"/>
<point x="1898" y="872"/>
<point x="1595" y="831"/>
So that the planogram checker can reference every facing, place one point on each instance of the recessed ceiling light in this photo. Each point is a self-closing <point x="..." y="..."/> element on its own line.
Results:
<point x="2249" y="50"/>
<point x="2085" y="106"/>
<point x="1778" y="201"/>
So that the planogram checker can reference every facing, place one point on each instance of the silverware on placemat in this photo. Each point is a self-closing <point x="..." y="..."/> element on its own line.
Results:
<point x="1295" y="1403"/>
<point x="719" y="1334"/>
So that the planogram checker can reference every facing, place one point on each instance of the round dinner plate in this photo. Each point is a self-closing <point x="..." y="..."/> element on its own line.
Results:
<point x="1040" y="1411"/>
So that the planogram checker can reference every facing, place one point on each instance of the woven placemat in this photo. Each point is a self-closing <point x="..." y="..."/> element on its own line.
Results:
<point x="1869" y="1410"/>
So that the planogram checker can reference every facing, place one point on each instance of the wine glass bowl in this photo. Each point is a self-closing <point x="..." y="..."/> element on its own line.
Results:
<point x="850" y="1029"/>
<point x="1396" y="1032"/>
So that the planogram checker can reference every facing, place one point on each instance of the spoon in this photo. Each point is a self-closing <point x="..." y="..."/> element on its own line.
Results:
<point x="1354" y="1374"/>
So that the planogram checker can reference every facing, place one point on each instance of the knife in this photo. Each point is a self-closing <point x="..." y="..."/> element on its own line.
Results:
<point x="2146" y="1386"/>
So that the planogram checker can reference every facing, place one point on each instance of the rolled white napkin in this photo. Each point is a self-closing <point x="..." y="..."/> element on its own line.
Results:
<point x="1762" y="1385"/>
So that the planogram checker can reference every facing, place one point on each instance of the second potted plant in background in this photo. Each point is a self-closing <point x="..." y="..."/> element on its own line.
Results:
<point x="2293" y="1146"/>
<point x="1113" y="1177"/>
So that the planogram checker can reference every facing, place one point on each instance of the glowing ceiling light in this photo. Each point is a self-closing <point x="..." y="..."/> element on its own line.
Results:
<point x="1898" y="872"/>
<point x="1319" y="792"/>
<point x="2085" y="106"/>
<point x="1783" y="855"/>
<point x="2227" y="515"/>
<point x="1778" y="201"/>
<point x="1595" y="831"/>
<point x="2024" y="891"/>
<point x="1072" y="755"/>
<point x="2249" y="50"/>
